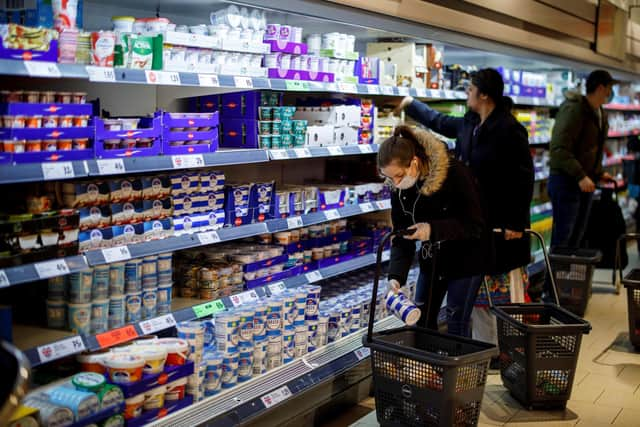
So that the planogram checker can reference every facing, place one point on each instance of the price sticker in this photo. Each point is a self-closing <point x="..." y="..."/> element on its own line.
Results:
<point x="208" y="308"/>
<point x="297" y="85"/>
<point x="347" y="88"/>
<point x="162" y="77"/>
<point x="294" y="222"/>
<point x="367" y="207"/>
<point x="302" y="153"/>
<point x="208" y="80"/>
<point x="188" y="161"/>
<point x="279" y="154"/>
<point x="277" y="288"/>
<point x="384" y="204"/>
<point x="209" y="237"/>
<point x="243" y="82"/>
<point x="42" y="69"/>
<point x="117" y="336"/>
<point x="276" y="396"/>
<point x="53" y="268"/>
<point x="332" y="214"/>
<point x="335" y="151"/>
<point x="387" y="90"/>
<point x="373" y="89"/>
<point x="119" y="253"/>
<point x="243" y="298"/>
<point x="60" y="349"/>
<point x="4" y="280"/>
<point x="157" y="324"/>
<point x="110" y="166"/>
<point x="101" y="74"/>
<point x="362" y="353"/>
<point x="366" y="148"/>
<point x="313" y="276"/>
<point x="403" y="91"/>
<point x="55" y="170"/>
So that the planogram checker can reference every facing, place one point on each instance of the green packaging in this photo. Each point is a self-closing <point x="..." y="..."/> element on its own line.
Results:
<point x="113" y="421"/>
<point x="121" y="50"/>
<point x="288" y="112"/>
<point x="276" y="141"/>
<point x="276" y="128"/>
<point x="299" y="126"/>
<point x="265" y="141"/>
<point x="110" y="395"/>
<point x="88" y="381"/>
<point x="266" y="113"/>
<point x="287" y="126"/>
<point x="299" y="140"/>
<point x="265" y="128"/>
<point x="145" y="52"/>
<point x="277" y="113"/>
<point x="286" y="140"/>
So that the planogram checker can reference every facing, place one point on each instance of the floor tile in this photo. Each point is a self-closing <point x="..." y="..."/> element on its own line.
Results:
<point x="593" y="413"/>
<point x="628" y="418"/>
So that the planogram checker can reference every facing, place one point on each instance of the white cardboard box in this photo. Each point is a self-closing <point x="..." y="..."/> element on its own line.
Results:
<point x="320" y="136"/>
<point x="345" y="135"/>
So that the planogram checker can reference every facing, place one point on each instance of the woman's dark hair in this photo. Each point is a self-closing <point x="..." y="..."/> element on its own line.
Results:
<point x="401" y="148"/>
<point x="489" y="82"/>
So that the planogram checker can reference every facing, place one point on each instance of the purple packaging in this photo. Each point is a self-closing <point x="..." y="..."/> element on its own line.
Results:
<point x="240" y="105"/>
<point x="262" y="200"/>
<point x="237" y="204"/>
<point x="239" y="133"/>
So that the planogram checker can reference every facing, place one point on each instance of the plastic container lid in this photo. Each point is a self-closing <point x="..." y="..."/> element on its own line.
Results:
<point x="88" y="381"/>
<point x="173" y="345"/>
<point x="123" y="18"/>
<point x="93" y="357"/>
<point x="150" y="352"/>
<point x="124" y="360"/>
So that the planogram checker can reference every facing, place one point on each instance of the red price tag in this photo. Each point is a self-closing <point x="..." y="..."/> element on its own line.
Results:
<point x="116" y="336"/>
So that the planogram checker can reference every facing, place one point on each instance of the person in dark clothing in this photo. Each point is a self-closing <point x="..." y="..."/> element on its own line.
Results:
<point x="576" y="148"/>
<point x="496" y="148"/>
<point x="437" y="198"/>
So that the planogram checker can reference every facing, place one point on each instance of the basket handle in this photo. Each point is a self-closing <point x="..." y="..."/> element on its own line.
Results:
<point x="376" y="281"/>
<point x="546" y="260"/>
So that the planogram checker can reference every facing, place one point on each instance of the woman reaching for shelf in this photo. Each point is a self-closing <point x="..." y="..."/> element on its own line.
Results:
<point x="435" y="197"/>
<point x="495" y="146"/>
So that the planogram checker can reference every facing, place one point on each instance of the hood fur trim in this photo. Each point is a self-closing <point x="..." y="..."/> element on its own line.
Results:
<point x="437" y="163"/>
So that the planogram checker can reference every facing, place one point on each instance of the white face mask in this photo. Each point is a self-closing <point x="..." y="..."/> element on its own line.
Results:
<point x="407" y="181"/>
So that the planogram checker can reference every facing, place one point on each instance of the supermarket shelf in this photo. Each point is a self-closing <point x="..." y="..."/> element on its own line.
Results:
<point x="622" y="107"/>
<point x="529" y="100"/>
<point x="42" y="270"/>
<point x="176" y="243"/>
<point x="57" y="344"/>
<point x="31" y="172"/>
<point x="255" y="397"/>
<point x="617" y="160"/>
<point x="633" y="132"/>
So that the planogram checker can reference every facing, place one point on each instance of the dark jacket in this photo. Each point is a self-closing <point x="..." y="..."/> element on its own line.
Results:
<point x="578" y="139"/>
<point x="448" y="199"/>
<point x="501" y="162"/>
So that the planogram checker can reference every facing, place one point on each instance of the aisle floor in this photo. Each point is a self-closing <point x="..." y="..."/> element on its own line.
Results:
<point x="606" y="387"/>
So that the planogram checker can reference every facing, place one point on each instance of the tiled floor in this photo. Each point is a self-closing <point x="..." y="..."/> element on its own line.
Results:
<point x="606" y="388"/>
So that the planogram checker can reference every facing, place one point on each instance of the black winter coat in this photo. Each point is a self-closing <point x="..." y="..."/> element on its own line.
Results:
<point x="500" y="159"/>
<point x="448" y="199"/>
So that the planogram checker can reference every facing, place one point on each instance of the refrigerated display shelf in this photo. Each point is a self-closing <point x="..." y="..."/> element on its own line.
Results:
<point x="43" y="345"/>
<point x="622" y="107"/>
<point x="49" y="171"/>
<point x="614" y="134"/>
<point x="255" y="397"/>
<point x="42" y="270"/>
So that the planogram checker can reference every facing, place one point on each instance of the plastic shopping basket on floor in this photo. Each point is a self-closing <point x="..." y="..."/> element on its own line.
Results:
<point x="425" y="378"/>
<point x="631" y="281"/>
<point x="539" y="346"/>
<point x="573" y="274"/>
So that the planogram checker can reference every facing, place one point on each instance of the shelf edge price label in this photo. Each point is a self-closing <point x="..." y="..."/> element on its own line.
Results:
<point x="42" y="69"/>
<point x="119" y="253"/>
<point x="243" y="82"/>
<point x="387" y="90"/>
<point x="367" y="207"/>
<point x="335" y="151"/>
<point x="249" y="296"/>
<point x="302" y="153"/>
<point x="384" y="204"/>
<point x="100" y="74"/>
<point x="117" y="336"/>
<point x="4" y="280"/>
<point x="57" y="267"/>
<point x="276" y="396"/>
<point x="294" y="222"/>
<point x="188" y="161"/>
<point x="208" y="80"/>
<point x="348" y="87"/>
<point x="60" y="349"/>
<point x="362" y="353"/>
<point x="157" y="324"/>
<point x="422" y="93"/>
<point x="332" y="214"/>
<point x="279" y="154"/>
<point x="297" y="85"/>
<point x="365" y="148"/>
<point x="110" y="166"/>
<point x="55" y="170"/>
<point x="313" y="276"/>
<point x="373" y="89"/>
<point x="277" y="288"/>
<point x="208" y="308"/>
<point x="162" y="77"/>
<point x="209" y="237"/>
<point x="403" y="91"/>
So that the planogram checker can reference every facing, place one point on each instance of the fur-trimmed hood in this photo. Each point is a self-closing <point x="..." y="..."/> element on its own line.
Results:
<point x="437" y="163"/>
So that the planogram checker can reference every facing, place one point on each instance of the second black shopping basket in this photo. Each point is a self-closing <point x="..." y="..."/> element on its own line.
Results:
<point x="425" y="378"/>
<point x="539" y="347"/>
<point x="631" y="281"/>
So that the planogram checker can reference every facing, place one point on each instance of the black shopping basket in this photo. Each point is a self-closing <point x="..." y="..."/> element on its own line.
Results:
<point x="573" y="274"/>
<point x="539" y="346"/>
<point x="425" y="378"/>
<point x="631" y="281"/>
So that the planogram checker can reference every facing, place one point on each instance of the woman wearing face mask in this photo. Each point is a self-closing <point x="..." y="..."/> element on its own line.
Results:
<point x="496" y="147"/>
<point x="436" y="198"/>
